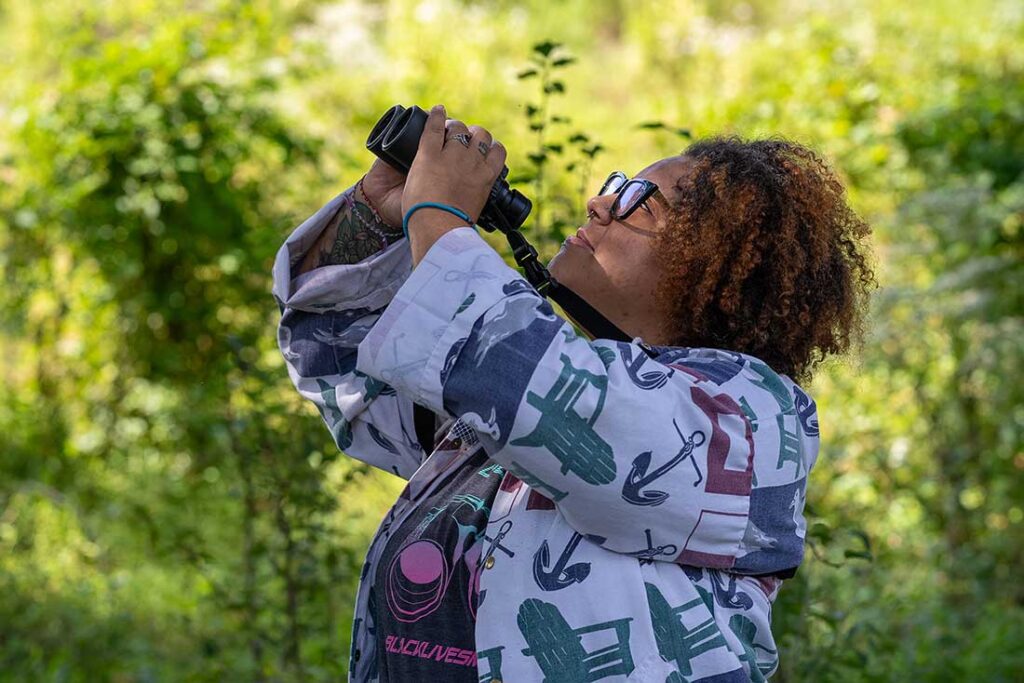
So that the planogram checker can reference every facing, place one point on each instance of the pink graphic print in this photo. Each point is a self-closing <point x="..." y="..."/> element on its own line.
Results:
<point x="419" y="574"/>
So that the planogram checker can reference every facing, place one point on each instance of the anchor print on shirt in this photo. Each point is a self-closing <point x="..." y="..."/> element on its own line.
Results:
<point x="492" y="545"/>
<point x="653" y="379"/>
<point x="727" y="592"/>
<point x="562" y="574"/>
<point x="806" y="411"/>
<point x="569" y="436"/>
<point x="648" y="554"/>
<point x="639" y="477"/>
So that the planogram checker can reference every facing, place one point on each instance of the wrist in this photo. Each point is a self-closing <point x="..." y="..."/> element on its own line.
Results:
<point x="426" y="226"/>
<point x="386" y="225"/>
<point x="431" y="220"/>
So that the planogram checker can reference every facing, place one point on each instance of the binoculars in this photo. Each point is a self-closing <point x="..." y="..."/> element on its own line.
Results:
<point x="395" y="139"/>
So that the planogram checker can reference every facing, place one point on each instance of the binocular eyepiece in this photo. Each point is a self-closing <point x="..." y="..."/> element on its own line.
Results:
<point x="395" y="139"/>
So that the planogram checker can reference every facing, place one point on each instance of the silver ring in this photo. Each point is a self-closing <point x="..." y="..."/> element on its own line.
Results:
<point x="463" y="138"/>
<point x="591" y="214"/>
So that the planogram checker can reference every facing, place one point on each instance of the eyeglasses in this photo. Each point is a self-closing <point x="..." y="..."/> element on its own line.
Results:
<point x="630" y="193"/>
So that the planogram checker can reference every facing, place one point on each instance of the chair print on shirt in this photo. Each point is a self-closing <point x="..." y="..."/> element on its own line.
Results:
<point x="493" y="658"/>
<point x="676" y="642"/>
<point x="566" y="434"/>
<point x="559" y="651"/>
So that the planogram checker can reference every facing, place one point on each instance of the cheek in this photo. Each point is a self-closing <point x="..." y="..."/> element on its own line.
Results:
<point x="636" y="275"/>
<point x="627" y="263"/>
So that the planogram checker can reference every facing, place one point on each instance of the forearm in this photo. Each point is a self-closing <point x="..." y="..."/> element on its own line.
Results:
<point x="354" y="234"/>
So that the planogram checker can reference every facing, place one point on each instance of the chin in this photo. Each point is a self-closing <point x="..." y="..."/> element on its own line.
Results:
<point x="569" y="270"/>
<point x="559" y="267"/>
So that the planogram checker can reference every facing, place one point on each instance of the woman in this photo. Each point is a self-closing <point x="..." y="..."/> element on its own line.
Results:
<point x="593" y="509"/>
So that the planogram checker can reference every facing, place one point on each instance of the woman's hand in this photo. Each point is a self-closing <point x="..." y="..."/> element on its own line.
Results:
<point x="383" y="186"/>
<point x="447" y="171"/>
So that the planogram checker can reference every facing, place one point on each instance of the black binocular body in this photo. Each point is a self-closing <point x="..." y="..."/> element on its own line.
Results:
<point x="395" y="139"/>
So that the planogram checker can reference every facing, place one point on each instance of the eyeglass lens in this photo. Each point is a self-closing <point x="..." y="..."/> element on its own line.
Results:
<point x="628" y="198"/>
<point x="613" y="183"/>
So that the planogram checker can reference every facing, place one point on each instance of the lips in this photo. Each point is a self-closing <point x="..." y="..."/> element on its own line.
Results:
<point x="583" y="238"/>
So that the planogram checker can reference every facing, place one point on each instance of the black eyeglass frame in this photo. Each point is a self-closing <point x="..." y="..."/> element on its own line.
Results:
<point x="649" y="189"/>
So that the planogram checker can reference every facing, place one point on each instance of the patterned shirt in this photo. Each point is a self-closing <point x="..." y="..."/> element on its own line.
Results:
<point x="649" y="504"/>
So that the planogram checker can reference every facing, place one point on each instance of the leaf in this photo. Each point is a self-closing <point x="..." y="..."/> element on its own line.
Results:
<point x="861" y="554"/>
<point x="526" y="73"/>
<point x="557" y="149"/>
<point x="561" y="119"/>
<point x="659" y="125"/>
<point x="546" y="48"/>
<point x="570" y="166"/>
<point x="579" y="137"/>
<point x="538" y="159"/>
<point x="820" y="530"/>
<point x="864" y="554"/>
<point x="555" y="86"/>
<point x="536" y="126"/>
<point x="531" y="110"/>
<point x="563" y="61"/>
<point x="863" y="536"/>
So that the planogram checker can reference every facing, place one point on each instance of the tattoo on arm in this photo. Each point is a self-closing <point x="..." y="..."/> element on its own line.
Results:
<point x="355" y="233"/>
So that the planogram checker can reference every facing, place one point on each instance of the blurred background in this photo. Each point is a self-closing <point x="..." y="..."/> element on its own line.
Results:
<point x="170" y="510"/>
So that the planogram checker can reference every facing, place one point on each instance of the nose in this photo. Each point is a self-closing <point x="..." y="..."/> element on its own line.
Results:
<point x="599" y="208"/>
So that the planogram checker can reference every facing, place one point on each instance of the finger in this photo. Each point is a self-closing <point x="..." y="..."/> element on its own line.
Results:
<point x="452" y="128"/>
<point x="481" y="136"/>
<point x="496" y="157"/>
<point x="386" y="172"/>
<point x="432" y="139"/>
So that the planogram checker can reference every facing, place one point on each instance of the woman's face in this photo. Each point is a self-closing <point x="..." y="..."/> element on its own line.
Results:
<point x="611" y="263"/>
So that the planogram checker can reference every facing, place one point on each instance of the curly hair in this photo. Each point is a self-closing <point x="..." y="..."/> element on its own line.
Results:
<point x="764" y="255"/>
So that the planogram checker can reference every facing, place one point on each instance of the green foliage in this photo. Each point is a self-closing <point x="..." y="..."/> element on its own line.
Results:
<point x="168" y="511"/>
<point x="169" y="508"/>
<point x="541" y="120"/>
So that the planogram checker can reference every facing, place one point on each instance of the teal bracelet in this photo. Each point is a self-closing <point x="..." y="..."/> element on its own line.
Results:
<point x="434" y="205"/>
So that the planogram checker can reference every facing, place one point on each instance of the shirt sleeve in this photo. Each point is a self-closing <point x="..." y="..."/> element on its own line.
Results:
<point x="325" y="313"/>
<point x="645" y="458"/>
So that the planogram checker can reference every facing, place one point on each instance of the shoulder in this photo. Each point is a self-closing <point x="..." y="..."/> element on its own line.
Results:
<point x="738" y="375"/>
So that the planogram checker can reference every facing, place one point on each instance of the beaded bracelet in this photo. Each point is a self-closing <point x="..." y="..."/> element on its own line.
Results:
<point x="376" y="214"/>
